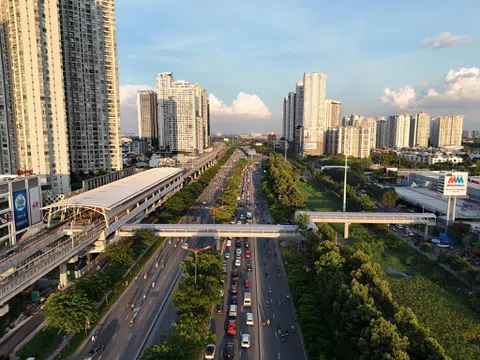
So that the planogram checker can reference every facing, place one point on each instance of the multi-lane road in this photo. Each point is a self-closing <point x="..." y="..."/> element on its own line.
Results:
<point x="153" y="312"/>
<point x="268" y="289"/>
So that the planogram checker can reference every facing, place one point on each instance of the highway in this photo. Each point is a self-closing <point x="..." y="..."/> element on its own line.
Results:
<point x="153" y="311"/>
<point x="265" y="342"/>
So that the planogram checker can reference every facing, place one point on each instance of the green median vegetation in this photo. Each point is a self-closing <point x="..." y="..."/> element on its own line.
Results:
<point x="281" y="185"/>
<point x="193" y="304"/>
<point x="179" y="203"/>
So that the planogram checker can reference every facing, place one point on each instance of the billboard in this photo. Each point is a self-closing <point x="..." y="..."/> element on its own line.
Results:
<point x="454" y="183"/>
<point x="35" y="214"/>
<point x="20" y="209"/>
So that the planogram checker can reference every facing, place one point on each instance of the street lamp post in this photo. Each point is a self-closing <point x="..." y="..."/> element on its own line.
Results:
<point x="195" y="251"/>
<point x="214" y="230"/>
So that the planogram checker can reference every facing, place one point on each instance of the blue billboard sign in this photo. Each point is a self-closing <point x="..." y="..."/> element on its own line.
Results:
<point x="20" y="209"/>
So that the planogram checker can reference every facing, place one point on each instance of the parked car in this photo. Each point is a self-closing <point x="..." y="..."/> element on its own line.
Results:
<point x="219" y="308"/>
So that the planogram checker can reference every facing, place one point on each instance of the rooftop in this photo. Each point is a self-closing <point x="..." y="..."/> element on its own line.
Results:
<point x="433" y="201"/>
<point x="109" y="196"/>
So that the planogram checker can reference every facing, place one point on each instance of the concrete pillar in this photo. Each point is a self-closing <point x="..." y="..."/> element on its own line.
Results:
<point x="454" y="210"/>
<point x="425" y="234"/>
<point x="345" y="231"/>
<point x="63" y="275"/>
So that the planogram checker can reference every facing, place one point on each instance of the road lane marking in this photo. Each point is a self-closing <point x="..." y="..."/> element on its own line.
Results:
<point x="113" y="337"/>
<point x="118" y="357"/>
<point x="273" y="316"/>
<point x="141" y="316"/>
<point x="149" y="314"/>
<point x="278" y="356"/>
<point x="129" y="336"/>
<point x="100" y="357"/>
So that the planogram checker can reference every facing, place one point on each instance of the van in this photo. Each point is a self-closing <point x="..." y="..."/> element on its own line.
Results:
<point x="247" y="300"/>
<point x="232" y="311"/>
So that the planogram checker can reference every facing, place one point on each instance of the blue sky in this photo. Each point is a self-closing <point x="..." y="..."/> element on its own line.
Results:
<point x="261" y="48"/>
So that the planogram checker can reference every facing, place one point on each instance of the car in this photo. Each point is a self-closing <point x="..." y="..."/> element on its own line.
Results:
<point x="247" y="254"/>
<point x="210" y="351"/>
<point x="229" y="242"/>
<point x="233" y="300"/>
<point x="238" y="262"/>
<point x="238" y="251"/>
<point x="249" y="265"/>
<point x="239" y="222"/>
<point x="227" y="254"/>
<point x="229" y="351"/>
<point x="232" y="327"/>
<point x="204" y="203"/>
<point x="94" y="352"/>
<point x="246" y="283"/>
<point x="247" y="244"/>
<point x="238" y="243"/>
<point x="233" y="289"/>
<point x="235" y="280"/>
<point x="221" y="293"/>
<point x="219" y="308"/>
<point x="224" y="269"/>
<point x="249" y="319"/>
<point x="235" y="272"/>
<point x="245" y="340"/>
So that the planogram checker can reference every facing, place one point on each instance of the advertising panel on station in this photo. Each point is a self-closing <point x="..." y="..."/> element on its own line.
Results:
<point x="20" y="209"/>
<point x="453" y="183"/>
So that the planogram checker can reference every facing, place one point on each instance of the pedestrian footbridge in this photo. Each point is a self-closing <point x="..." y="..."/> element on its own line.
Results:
<point x="348" y="218"/>
<point x="211" y="230"/>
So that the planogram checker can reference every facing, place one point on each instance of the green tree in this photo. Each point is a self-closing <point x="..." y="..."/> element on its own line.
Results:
<point x="381" y="340"/>
<point x="458" y="230"/>
<point x="69" y="311"/>
<point x="389" y="198"/>
<point x="302" y="220"/>
<point x="366" y="204"/>
<point x="171" y="347"/>
<point x="121" y="253"/>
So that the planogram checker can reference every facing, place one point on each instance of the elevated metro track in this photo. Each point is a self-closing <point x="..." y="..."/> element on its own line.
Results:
<point x="27" y="262"/>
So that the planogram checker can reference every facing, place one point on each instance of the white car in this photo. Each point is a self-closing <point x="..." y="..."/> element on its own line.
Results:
<point x="210" y="351"/>
<point x="238" y="252"/>
<point x="249" y="320"/>
<point x="229" y="242"/>
<point x="237" y="262"/>
<point x="245" y="341"/>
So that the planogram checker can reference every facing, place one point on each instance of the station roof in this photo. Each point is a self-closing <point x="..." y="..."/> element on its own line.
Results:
<point x="432" y="201"/>
<point x="110" y="196"/>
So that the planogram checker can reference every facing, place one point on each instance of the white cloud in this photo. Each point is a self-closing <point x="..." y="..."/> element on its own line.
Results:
<point x="445" y="39"/>
<point x="402" y="98"/>
<point x="461" y="90"/>
<point x="247" y="105"/>
<point x="128" y="93"/>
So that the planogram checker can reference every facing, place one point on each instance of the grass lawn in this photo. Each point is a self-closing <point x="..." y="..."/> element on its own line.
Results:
<point x="319" y="198"/>
<point x="440" y="301"/>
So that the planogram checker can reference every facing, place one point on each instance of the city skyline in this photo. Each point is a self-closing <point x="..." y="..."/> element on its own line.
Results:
<point x="253" y="63"/>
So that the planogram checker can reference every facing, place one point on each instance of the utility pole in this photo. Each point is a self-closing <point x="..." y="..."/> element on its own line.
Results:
<point x="286" y="147"/>
<point x="345" y="186"/>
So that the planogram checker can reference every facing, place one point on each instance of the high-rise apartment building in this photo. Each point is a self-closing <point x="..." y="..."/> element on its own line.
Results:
<point x="181" y="114"/>
<point x="382" y="134"/>
<point x="314" y="124"/>
<point x="333" y="109"/>
<point x="205" y="115"/>
<point x="285" y="114"/>
<point x="148" y="116"/>
<point x="291" y="117"/>
<point x="90" y="72"/>
<point x="399" y="131"/>
<point x="371" y="123"/>
<point x="8" y="154"/>
<point x="447" y="131"/>
<point x="33" y="41"/>
<point x="298" y="146"/>
<point x="348" y="141"/>
<point x="419" y="130"/>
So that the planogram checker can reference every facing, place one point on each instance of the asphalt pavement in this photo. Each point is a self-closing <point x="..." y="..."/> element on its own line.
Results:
<point x="266" y="343"/>
<point x="152" y="313"/>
